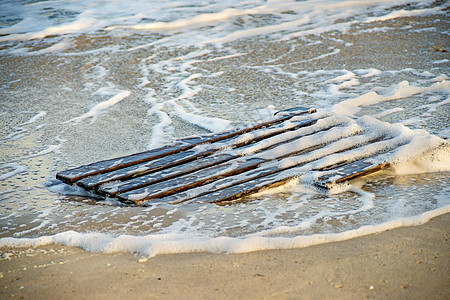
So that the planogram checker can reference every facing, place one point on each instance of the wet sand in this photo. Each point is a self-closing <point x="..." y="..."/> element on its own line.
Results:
<point x="404" y="263"/>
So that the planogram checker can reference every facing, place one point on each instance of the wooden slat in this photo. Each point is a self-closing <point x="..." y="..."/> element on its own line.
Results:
<point x="349" y="172"/>
<point x="344" y="172"/>
<point x="233" y="192"/>
<point x="140" y="169"/>
<point x="273" y="180"/>
<point x="72" y="175"/>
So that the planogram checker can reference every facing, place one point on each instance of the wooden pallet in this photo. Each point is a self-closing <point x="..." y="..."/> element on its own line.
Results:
<point x="225" y="167"/>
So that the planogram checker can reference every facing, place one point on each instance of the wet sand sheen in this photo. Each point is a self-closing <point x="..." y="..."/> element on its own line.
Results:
<point x="404" y="263"/>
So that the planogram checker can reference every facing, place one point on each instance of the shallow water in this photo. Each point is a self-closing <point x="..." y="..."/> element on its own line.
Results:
<point x="86" y="81"/>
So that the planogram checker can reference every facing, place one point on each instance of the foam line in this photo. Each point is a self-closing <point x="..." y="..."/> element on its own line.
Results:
<point x="97" y="109"/>
<point x="36" y="117"/>
<point x="152" y="245"/>
<point x="162" y="131"/>
<point x="17" y="169"/>
<point x="400" y="91"/>
<point x="73" y="27"/>
<point x="408" y="13"/>
<point x="214" y="125"/>
<point x="259" y="31"/>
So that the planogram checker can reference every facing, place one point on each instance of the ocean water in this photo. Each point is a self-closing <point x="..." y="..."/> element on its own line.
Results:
<point x="82" y="81"/>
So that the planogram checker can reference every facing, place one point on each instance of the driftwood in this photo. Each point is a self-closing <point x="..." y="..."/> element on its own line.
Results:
<point x="225" y="167"/>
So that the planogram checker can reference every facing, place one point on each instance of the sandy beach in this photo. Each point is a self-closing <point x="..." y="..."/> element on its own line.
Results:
<point x="83" y="81"/>
<point x="404" y="263"/>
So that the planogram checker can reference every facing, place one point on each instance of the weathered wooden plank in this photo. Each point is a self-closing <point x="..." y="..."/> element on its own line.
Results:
<point x="255" y="180"/>
<point x="140" y="169"/>
<point x="224" y="167"/>
<point x="211" y="191"/>
<point x="111" y="189"/>
<point x="349" y="171"/>
<point x="355" y="173"/>
<point x="180" y="159"/>
<point x="274" y="180"/>
<point x="148" y="179"/>
<point x="185" y="182"/>
<point x="72" y="175"/>
<point x="344" y="171"/>
<point x="188" y="181"/>
<point x="269" y="178"/>
<point x="259" y="173"/>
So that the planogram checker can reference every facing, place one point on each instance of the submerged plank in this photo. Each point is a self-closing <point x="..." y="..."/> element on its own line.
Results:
<point x="189" y="181"/>
<point x="254" y="181"/>
<point x="215" y="161"/>
<point x="349" y="172"/>
<point x="182" y="159"/>
<point x="282" y="150"/>
<point x="323" y="149"/>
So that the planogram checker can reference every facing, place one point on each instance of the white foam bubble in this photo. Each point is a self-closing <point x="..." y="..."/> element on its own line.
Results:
<point x="423" y="156"/>
<point x="161" y="132"/>
<point x="198" y="20"/>
<point x="209" y="123"/>
<point x="73" y="27"/>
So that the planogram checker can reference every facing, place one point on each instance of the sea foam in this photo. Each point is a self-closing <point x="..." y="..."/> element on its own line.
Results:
<point x="151" y="245"/>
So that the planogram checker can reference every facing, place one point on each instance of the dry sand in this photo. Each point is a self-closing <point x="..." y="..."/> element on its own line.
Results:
<point x="405" y="263"/>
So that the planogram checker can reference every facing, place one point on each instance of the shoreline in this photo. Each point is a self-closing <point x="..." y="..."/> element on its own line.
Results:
<point x="407" y="262"/>
<point x="396" y="65"/>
